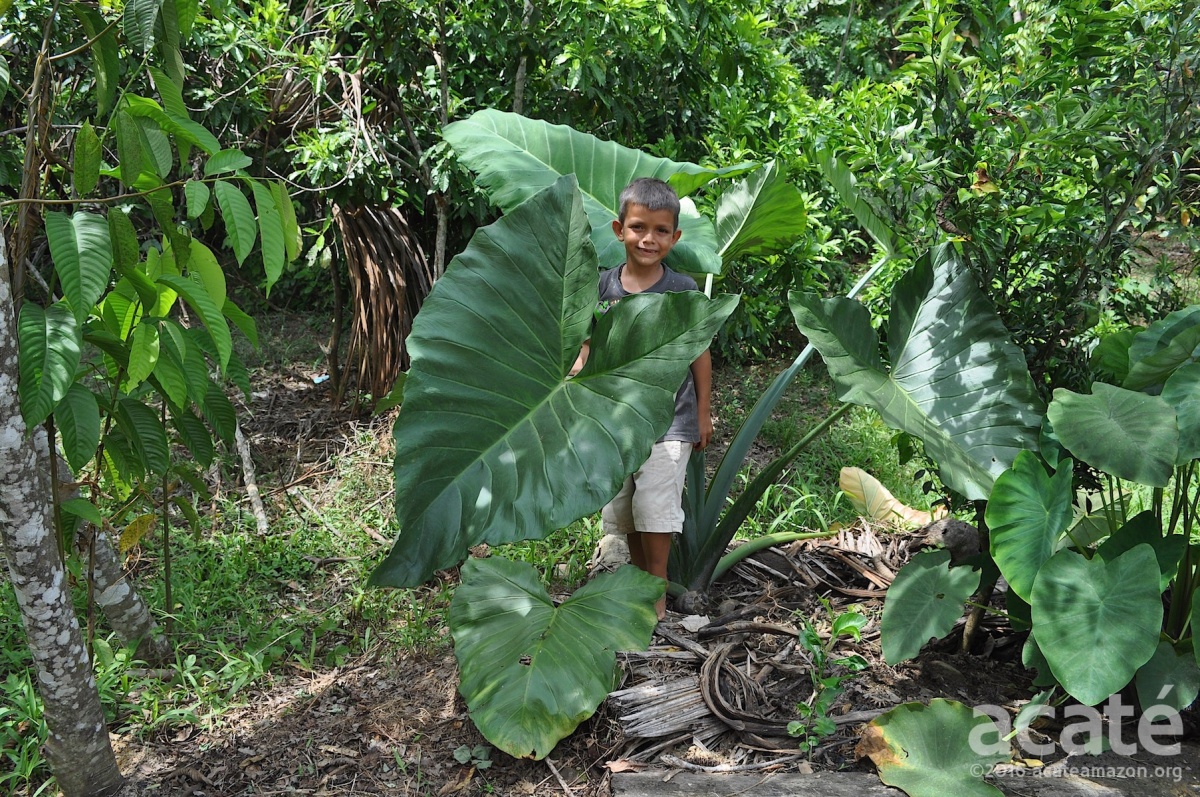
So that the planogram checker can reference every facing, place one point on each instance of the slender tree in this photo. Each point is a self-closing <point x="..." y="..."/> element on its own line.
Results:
<point x="78" y="748"/>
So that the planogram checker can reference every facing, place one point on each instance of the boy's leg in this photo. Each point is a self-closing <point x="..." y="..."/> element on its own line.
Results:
<point x="657" y="509"/>
<point x="653" y="551"/>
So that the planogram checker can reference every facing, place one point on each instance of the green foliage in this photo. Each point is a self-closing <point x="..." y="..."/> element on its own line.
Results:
<point x="923" y="603"/>
<point x="815" y="722"/>
<point x="1096" y="610"/>
<point x="1027" y="514"/>
<point x="531" y="671"/>
<point x="1097" y="621"/>
<point x="956" y="381"/>
<point x="515" y="158"/>
<point x="1047" y="146"/>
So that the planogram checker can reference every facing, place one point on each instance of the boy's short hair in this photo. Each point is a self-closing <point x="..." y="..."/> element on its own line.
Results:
<point x="652" y="194"/>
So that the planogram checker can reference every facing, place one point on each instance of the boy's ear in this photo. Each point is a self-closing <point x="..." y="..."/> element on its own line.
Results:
<point x="675" y="238"/>
<point x="618" y="229"/>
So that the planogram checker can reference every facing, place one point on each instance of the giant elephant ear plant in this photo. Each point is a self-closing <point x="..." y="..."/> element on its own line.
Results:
<point x="1095" y="603"/>
<point x="494" y="443"/>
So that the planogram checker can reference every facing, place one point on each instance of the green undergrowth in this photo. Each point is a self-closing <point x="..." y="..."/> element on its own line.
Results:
<point x="807" y="496"/>
<point x="249" y="611"/>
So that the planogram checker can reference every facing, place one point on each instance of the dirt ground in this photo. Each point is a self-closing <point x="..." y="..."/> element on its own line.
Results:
<point x="381" y="726"/>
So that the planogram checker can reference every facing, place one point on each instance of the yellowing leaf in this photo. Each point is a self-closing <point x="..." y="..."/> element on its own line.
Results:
<point x="133" y="533"/>
<point x="872" y="500"/>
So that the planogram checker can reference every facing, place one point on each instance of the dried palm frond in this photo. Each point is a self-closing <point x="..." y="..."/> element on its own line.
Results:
<point x="389" y="279"/>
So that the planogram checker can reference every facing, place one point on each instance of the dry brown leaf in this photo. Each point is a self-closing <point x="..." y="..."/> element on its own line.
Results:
<point x="624" y="765"/>
<point x="874" y="746"/>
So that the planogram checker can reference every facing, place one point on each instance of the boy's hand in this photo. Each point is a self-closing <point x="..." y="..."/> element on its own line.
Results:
<point x="706" y="433"/>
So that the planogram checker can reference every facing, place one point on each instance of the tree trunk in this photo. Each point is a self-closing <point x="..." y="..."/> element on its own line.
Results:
<point x="78" y="748"/>
<point x="123" y="607"/>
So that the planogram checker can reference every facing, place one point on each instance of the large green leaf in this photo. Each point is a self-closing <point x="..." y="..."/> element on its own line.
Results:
<point x="49" y="347"/>
<point x="761" y="215"/>
<point x="239" y="218"/>
<point x="86" y="164"/>
<point x="843" y="182"/>
<point x="144" y="430"/>
<point x="941" y="749"/>
<point x="196" y="294"/>
<point x="270" y="226"/>
<point x="106" y="63"/>
<point x="1026" y="514"/>
<point x="143" y="354"/>
<point x="83" y="258"/>
<point x="1182" y="392"/>
<point x="227" y="160"/>
<point x="515" y="157"/>
<point x="1171" y="677"/>
<point x="1119" y="431"/>
<point x="494" y="443"/>
<point x="923" y="603"/>
<point x="957" y="382"/>
<point x="1162" y="347"/>
<point x="130" y="149"/>
<point x="287" y="217"/>
<point x="1097" y="621"/>
<point x="1145" y="528"/>
<point x="179" y="125"/>
<point x="140" y="16"/>
<point x="203" y="264"/>
<point x="78" y="420"/>
<point x="530" y="672"/>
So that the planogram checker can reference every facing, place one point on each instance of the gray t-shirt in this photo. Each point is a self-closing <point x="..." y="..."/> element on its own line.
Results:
<point x="686" y="426"/>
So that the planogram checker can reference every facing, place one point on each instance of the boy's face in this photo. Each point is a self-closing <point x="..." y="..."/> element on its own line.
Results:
<point x="648" y="235"/>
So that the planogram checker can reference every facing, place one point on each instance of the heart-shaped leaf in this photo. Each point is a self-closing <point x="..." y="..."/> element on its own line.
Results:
<point x="1119" y="431"/>
<point x="1146" y="529"/>
<point x="1097" y="621"/>
<point x="1027" y="513"/>
<point x="531" y="672"/>
<point x="1171" y="677"/>
<point x="957" y="382"/>
<point x="1111" y="356"/>
<point x="935" y="750"/>
<point x="923" y="603"/>
<point x="515" y="157"/>
<point x="1162" y="347"/>
<point x="494" y="443"/>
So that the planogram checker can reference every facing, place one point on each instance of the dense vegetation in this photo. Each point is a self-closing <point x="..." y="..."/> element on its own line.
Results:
<point x="1051" y="143"/>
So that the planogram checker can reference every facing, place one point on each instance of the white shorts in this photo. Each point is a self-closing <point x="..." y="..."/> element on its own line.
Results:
<point x="651" y="500"/>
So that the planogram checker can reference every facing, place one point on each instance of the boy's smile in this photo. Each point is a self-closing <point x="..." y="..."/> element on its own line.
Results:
<point x="648" y="235"/>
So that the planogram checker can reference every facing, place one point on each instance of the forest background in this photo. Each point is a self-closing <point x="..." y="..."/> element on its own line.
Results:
<point x="1053" y="140"/>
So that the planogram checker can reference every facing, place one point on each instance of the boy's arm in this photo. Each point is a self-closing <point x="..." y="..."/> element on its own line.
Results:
<point x="702" y="376"/>
<point x="581" y="359"/>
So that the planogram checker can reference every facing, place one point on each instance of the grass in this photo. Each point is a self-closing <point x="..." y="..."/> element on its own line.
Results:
<point x="808" y="497"/>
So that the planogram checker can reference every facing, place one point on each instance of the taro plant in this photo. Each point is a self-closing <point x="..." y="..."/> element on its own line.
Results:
<point x="1093" y="593"/>
<point x="495" y="444"/>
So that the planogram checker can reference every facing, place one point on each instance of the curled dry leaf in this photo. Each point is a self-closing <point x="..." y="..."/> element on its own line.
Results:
<point x="623" y="765"/>
<point x="875" y="502"/>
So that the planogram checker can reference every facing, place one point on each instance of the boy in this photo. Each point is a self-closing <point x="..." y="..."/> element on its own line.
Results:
<point x="648" y="510"/>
